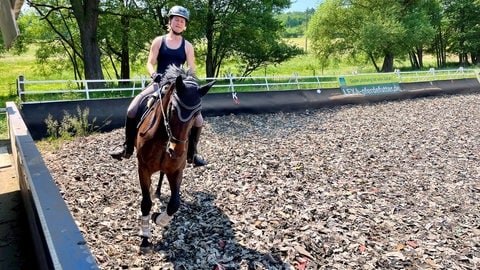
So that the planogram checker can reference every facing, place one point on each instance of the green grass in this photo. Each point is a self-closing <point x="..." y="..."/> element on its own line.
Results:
<point x="3" y="126"/>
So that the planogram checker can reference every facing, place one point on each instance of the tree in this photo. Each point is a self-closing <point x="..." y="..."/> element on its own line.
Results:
<point x="438" y="45"/>
<point x="417" y="16"/>
<point x="124" y="32"/>
<point x="57" y="36"/>
<point x="377" y="29"/>
<point x="461" y="22"/>
<point x="246" y="29"/>
<point x="221" y="30"/>
<point x="295" y="22"/>
<point x="85" y="14"/>
<point x="91" y="43"/>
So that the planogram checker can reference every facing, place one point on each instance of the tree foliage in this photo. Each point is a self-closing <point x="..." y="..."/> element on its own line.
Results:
<point x="295" y="23"/>
<point x="124" y="31"/>
<point x="388" y="30"/>
<point x="73" y="26"/>
<point x="461" y="19"/>
<point x="243" y="30"/>
<point x="116" y="33"/>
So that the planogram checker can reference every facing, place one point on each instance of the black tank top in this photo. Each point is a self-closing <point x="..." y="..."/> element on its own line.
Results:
<point x="167" y="56"/>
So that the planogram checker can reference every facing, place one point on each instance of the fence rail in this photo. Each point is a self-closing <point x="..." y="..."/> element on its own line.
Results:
<point x="63" y="90"/>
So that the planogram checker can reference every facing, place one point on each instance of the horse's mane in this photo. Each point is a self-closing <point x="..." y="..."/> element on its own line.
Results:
<point x="173" y="72"/>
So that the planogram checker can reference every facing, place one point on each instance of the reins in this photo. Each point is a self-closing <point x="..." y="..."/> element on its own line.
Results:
<point x="167" y="125"/>
<point x="194" y="110"/>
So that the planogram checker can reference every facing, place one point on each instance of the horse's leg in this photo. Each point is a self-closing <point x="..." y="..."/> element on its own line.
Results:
<point x="146" y="204"/>
<point x="159" y="186"/>
<point x="174" y="180"/>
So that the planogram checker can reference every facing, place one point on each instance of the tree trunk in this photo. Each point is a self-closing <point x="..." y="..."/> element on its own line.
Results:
<point x="440" y="49"/>
<point x="475" y="58"/>
<point x="125" y="52"/>
<point x="86" y="14"/>
<point x="374" y="62"/>
<point x="420" y="57"/>
<point x="387" y="63"/>
<point x="414" y="60"/>
<point x="209" y="29"/>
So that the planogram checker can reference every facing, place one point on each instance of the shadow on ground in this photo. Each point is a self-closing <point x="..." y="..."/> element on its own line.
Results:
<point x="201" y="236"/>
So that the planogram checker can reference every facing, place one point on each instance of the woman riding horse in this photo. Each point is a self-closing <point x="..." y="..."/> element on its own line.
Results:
<point x="165" y="50"/>
<point x="162" y="141"/>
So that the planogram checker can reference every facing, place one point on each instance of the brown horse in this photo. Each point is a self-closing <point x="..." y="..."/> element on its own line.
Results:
<point x="162" y="141"/>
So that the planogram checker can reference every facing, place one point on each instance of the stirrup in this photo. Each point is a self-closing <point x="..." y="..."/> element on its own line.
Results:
<point x="120" y="154"/>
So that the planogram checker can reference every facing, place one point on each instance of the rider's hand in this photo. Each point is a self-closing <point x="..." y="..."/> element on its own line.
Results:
<point x="156" y="77"/>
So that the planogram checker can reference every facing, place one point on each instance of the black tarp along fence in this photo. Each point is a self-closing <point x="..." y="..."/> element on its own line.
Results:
<point x="109" y="114"/>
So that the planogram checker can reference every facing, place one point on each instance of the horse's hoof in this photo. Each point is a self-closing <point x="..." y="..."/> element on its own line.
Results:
<point x="161" y="219"/>
<point x="145" y="247"/>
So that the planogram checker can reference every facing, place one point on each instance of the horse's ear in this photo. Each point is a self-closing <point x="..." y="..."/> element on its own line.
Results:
<point x="179" y="83"/>
<point x="203" y="90"/>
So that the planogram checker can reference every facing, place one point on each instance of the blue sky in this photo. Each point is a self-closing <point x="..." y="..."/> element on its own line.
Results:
<point x="302" y="5"/>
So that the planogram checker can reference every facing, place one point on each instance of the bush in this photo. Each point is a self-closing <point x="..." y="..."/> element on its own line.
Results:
<point x="70" y="126"/>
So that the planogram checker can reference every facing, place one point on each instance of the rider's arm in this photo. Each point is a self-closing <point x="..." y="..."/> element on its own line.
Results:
<point x="152" y="56"/>
<point x="189" y="51"/>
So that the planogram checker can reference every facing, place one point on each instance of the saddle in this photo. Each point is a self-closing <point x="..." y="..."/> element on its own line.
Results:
<point x="147" y="106"/>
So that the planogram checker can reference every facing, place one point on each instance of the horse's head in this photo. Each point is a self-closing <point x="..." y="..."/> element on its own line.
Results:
<point x="184" y="104"/>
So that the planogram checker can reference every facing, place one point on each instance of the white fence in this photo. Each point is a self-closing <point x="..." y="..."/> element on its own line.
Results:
<point x="41" y="91"/>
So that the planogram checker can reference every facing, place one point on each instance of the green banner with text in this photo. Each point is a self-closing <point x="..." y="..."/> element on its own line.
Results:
<point x="369" y="85"/>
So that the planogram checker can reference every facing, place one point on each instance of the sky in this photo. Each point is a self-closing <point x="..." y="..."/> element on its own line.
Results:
<point x="302" y="5"/>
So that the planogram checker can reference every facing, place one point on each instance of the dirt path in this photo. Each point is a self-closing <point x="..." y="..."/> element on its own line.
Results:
<point x="14" y="235"/>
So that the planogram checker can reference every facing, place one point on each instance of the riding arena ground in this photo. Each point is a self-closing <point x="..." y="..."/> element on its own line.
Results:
<point x="390" y="185"/>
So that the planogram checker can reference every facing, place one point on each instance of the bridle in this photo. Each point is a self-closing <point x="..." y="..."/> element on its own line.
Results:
<point x="177" y="102"/>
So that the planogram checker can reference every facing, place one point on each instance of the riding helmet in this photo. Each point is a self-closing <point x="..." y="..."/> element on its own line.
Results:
<point x="179" y="11"/>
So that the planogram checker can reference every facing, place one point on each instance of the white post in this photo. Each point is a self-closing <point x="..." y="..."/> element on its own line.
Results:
<point x="296" y="79"/>
<point x="21" y="87"/>
<point x="86" y="90"/>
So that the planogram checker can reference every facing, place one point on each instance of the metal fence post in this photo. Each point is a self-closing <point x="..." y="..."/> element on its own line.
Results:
<point x="231" y="86"/>
<point x="295" y="76"/>
<point x="397" y="71"/>
<point x="86" y="90"/>
<point x="432" y="71"/>
<point x="21" y="87"/>
<point x="319" y="82"/>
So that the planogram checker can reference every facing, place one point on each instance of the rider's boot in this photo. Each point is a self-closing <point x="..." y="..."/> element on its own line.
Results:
<point x="192" y="156"/>
<point x="126" y="150"/>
